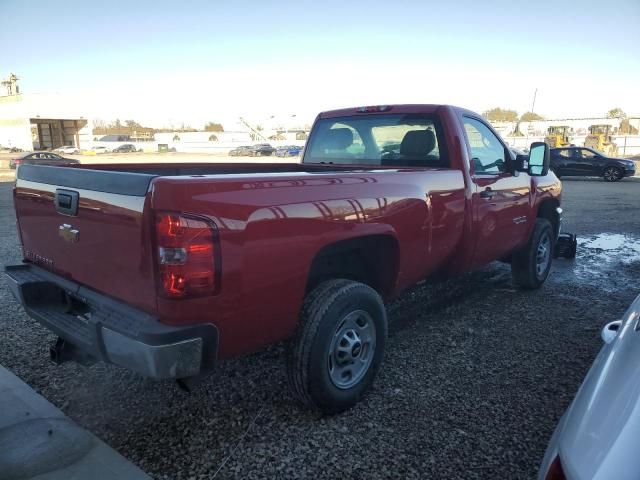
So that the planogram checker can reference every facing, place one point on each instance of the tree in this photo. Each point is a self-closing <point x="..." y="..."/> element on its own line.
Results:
<point x="132" y="125"/>
<point x="530" y="116"/>
<point x="213" y="127"/>
<point x="500" y="115"/>
<point x="616" y="113"/>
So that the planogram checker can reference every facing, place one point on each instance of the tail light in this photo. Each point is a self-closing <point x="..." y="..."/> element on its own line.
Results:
<point x="17" y="161"/>
<point x="186" y="256"/>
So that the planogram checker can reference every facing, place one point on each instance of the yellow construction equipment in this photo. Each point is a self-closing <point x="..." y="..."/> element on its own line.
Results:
<point x="599" y="138"/>
<point x="558" y="136"/>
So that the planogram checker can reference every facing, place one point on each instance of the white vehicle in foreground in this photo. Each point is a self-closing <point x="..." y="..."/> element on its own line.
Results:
<point x="597" y="437"/>
<point x="67" y="149"/>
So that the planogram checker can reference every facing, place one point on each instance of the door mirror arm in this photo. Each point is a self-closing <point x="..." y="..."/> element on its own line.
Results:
<point x="521" y="163"/>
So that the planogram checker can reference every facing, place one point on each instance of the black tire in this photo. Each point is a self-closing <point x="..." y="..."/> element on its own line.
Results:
<point x="612" y="174"/>
<point x="309" y="359"/>
<point x="527" y="270"/>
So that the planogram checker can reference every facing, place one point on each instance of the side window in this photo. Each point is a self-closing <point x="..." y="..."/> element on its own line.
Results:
<point x="564" y="153"/>
<point x="487" y="152"/>
<point x="586" y="154"/>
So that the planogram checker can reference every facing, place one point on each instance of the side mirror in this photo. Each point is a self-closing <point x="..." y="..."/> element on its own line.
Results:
<point x="539" y="159"/>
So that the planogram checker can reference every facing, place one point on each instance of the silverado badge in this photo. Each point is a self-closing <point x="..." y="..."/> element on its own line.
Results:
<point x="68" y="233"/>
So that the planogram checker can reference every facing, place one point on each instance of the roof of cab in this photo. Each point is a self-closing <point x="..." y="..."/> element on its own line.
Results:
<point x="380" y="109"/>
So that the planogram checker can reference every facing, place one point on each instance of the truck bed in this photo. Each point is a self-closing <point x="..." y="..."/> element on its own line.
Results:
<point x="271" y="221"/>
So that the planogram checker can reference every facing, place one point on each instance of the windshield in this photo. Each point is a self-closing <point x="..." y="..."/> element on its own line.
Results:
<point x="393" y="140"/>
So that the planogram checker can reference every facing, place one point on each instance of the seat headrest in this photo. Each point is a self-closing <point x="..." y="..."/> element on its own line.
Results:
<point x="338" y="138"/>
<point x="418" y="143"/>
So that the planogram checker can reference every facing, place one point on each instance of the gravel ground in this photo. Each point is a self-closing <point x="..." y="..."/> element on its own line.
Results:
<point x="475" y="376"/>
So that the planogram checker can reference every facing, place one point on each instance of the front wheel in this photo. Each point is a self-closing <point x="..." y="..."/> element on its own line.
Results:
<point x="612" y="174"/>
<point x="530" y="266"/>
<point x="338" y="348"/>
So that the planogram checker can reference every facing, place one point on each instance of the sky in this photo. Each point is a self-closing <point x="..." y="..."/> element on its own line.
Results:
<point x="166" y="63"/>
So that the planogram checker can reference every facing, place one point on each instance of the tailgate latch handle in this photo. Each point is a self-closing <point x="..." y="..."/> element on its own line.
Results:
<point x="66" y="202"/>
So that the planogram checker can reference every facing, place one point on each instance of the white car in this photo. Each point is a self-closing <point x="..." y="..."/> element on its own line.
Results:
<point x="597" y="437"/>
<point x="100" y="149"/>
<point x="68" y="149"/>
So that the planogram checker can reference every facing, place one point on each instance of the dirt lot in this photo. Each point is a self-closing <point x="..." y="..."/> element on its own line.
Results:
<point x="475" y="377"/>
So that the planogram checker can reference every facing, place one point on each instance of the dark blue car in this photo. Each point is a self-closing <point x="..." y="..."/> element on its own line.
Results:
<point x="582" y="161"/>
<point x="288" y="151"/>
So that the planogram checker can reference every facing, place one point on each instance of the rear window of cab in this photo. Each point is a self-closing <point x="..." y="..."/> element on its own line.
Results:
<point x="402" y="140"/>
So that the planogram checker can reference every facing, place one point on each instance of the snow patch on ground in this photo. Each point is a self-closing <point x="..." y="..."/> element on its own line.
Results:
<point x="613" y="246"/>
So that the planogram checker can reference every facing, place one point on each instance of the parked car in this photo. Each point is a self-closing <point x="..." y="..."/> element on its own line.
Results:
<point x="261" y="149"/>
<point x="288" y="151"/>
<point x="125" y="148"/>
<point x="41" y="158"/>
<point x="596" y="437"/>
<point x="582" y="161"/>
<point x="100" y="149"/>
<point x="199" y="263"/>
<point x="67" y="149"/>
<point x="241" y="151"/>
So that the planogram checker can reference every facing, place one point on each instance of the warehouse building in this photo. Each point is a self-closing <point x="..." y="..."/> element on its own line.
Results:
<point x="39" y="121"/>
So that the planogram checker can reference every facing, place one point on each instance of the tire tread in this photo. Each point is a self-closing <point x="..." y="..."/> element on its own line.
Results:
<point x="315" y="306"/>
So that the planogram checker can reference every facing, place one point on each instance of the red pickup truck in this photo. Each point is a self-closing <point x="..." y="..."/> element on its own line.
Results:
<point x="166" y="269"/>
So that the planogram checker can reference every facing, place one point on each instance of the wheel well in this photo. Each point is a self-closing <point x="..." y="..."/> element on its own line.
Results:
<point x="372" y="260"/>
<point x="548" y="210"/>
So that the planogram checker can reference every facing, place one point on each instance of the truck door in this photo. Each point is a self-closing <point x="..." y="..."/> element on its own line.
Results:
<point x="501" y="205"/>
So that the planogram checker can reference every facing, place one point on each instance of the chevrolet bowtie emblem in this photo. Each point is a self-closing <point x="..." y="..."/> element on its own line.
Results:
<point x="68" y="233"/>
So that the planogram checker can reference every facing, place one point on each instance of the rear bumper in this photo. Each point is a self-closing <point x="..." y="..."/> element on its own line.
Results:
<point x="111" y="331"/>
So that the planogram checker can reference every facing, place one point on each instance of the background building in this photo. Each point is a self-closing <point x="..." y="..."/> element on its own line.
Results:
<point x="39" y="121"/>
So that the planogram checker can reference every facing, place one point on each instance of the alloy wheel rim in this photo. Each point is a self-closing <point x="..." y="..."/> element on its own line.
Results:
<point x="611" y="174"/>
<point x="351" y="350"/>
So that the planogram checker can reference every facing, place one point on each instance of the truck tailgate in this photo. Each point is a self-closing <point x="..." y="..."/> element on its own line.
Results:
<point x="90" y="226"/>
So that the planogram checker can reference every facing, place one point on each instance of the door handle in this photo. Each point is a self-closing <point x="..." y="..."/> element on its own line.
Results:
<point x="487" y="193"/>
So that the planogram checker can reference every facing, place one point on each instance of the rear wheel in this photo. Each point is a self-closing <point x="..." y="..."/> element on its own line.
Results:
<point x="530" y="266"/>
<point x="612" y="174"/>
<point x="338" y="348"/>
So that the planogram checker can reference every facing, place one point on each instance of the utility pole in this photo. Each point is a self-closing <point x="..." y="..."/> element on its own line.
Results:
<point x="533" y="105"/>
